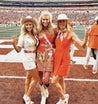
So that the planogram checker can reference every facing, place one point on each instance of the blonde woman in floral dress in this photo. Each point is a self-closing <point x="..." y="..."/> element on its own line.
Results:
<point x="46" y="36"/>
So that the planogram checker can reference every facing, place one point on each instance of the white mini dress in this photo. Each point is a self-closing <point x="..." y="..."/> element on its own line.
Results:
<point x="28" y="44"/>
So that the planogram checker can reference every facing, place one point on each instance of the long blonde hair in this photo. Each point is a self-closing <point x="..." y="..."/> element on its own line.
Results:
<point x="33" y="31"/>
<point x="50" y="26"/>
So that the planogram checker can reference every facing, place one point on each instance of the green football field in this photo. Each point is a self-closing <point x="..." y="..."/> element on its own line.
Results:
<point x="7" y="30"/>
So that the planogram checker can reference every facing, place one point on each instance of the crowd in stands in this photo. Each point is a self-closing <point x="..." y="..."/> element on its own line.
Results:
<point x="11" y="15"/>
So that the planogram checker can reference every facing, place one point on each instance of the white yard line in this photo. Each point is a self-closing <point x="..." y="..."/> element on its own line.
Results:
<point x="5" y="40"/>
<point x="74" y="79"/>
<point x="68" y="79"/>
<point x="6" y="46"/>
<point x="13" y="56"/>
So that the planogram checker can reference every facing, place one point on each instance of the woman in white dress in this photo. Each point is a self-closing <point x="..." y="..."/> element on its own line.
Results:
<point x="28" y="41"/>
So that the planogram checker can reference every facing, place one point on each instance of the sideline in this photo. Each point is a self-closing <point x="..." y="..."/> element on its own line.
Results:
<point x="69" y="79"/>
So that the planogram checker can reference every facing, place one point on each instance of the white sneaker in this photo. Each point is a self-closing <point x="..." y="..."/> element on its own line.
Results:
<point x="43" y="100"/>
<point x="66" y="98"/>
<point x="27" y="99"/>
<point x="59" y="101"/>
<point x="85" y="66"/>
<point x="94" y="71"/>
<point x="65" y="101"/>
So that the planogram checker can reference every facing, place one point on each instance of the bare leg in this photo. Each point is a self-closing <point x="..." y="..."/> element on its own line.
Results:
<point x="57" y="86"/>
<point x="46" y="77"/>
<point x="31" y="81"/>
<point x="41" y="77"/>
<point x="34" y="80"/>
<point x="27" y="82"/>
<point x="62" y="83"/>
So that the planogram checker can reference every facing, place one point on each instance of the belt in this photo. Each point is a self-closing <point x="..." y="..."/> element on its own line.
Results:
<point x="26" y="51"/>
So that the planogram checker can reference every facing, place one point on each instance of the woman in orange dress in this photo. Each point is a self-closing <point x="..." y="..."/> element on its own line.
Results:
<point x="46" y="36"/>
<point x="62" y="56"/>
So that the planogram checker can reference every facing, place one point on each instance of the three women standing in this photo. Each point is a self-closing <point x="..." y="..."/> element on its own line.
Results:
<point x="45" y="62"/>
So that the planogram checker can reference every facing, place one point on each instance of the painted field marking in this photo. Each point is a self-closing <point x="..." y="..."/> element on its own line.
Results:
<point x="14" y="57"/>
<point x="5" y="40"/>
<point x="6" y="46"/>
<point x="69" y="79"/>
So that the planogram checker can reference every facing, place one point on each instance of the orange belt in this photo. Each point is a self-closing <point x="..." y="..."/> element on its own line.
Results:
<point x="29" y="51"/>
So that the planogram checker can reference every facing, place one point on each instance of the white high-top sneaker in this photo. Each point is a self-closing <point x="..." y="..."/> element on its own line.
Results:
<point x="59" y="101"/>
<point x="43" y="100"/>
<point x="65" y="101"/>
<point x="94" y="71"/>
<point x="44" y="93"/>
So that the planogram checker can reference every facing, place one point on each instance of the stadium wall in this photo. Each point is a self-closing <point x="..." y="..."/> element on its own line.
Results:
<point x="49" y="4"/>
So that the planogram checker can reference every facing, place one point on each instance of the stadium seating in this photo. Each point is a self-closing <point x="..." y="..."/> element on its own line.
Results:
<point x="11" y="14"/>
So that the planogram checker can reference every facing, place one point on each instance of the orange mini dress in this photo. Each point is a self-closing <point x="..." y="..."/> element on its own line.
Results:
<point x="62" y="56"/>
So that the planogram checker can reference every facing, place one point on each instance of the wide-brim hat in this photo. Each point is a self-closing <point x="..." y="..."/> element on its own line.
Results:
<point x="63" y="17"/>
<point x="28" y="18"/>
<point x="96" y="18"/>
